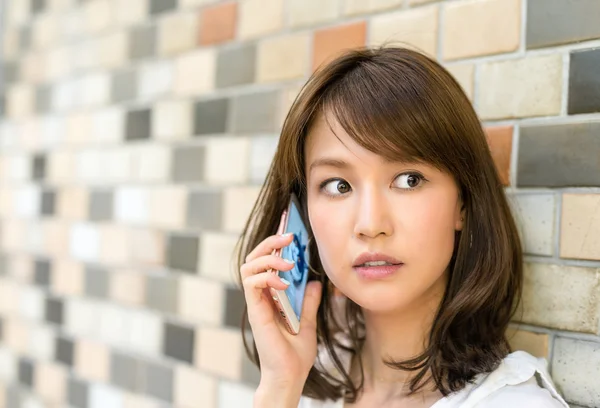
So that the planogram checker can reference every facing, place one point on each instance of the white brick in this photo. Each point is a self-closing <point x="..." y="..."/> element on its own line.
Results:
<point x="89" y="165"/>
<point x="155" y="78"/>
<point x="98" y="15"/>
<point x="172" y="120"/>
<point x="8" y="365"/>
<point x="45" y="30"/>
<point x="519" y="88"/>
<point x="131" y="11"/>
<point x="64" y="95"/>
<point x="216" y="257"/>
<point x="18" y="167"/>
<point x="42" y="340"/>
<point x="102" y="396"/>
<point x="227" y="160"/>
<point x="73" y="24"/>
<point x="17" y="12"/>
<point x="86" y="54"/>
<point x="195" y="73"/>
<point x="81" y="317"/>
<point x="576" y="369"/>
<point x="262" y="151"/>
<point x="131" y="205"/>
<point x="232" y="394"/>
<point x="114" y="50"/>
<point x="31" y="304"/>
<point x="84" y="242"/>
<point x="177" y="33"/>
<point x="119" y="167"/>
<point x="58" y="65"/>
<point x="53" y="131"/>
<point x="95" y="89"/>
<point x="154" y="162"/>
<point x="353" y="7"/>
<point x="27" y="201"/>
<point x="108" y="125"/>
<point x="146" y="332"/>
<point x="113" y="325"/>
<point x="310" y="12"/>
<point x="534" y="214"/>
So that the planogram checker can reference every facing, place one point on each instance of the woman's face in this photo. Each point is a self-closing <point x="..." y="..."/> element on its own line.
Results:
<point x="358" y="202"/>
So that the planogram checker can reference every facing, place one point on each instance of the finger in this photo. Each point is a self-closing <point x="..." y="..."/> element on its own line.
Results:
<point x="312" y="299"/>
<point x="254" y="287"/>
<point x="265" y="263"/>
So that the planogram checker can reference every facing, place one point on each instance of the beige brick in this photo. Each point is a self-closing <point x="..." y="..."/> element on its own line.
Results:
<point x="172" y="120"/>
<point x="535" y="344"/>
<point x="59" y="5"/>
<point x="50" y="382"/>
<point x="17" y="12"/>
<point x="11" y="293"/>
<point x="194" y="389"/>
<point x="227" y="160"/>
<point x="10" y="43"/>
<point x="195" y="3"/>
<point x="98" y="16"/>
<point x="353" y="7"/>
<point x="311" y="12"/>
<point x="561" y="297"/>
<point x="168" y="206"/>
<point x="114" y="50"/>
<point x="219" y="352"/>
<point x="67" y="278"/>
<point x="72" y="203"/>
<point x="32" y="64"/>
<point x="465" y="75"/>
<point x="580" y="226"/>
<point x="520" y="88"/>
<point x="152" y="162"/>
<point x="415" y="29"/>
<point x="201" y="300"/>
<point x="22" y="266"/>
<point x="12" y="234"/>
<point x="45" y="30"/>
<point x="85" y="54"/>
<point x="60" y="166"/>
<point x="20" y="101"/>
<point x="79" y="127"/>
<point x="419" y="2"/>
<point x="195" y="73"/>
<point x="30" y="130"/>
<point x="131" y="11"/>
<point x="238" y="203"/>
<point x="91" y="360"/>
<point x="58" y="66"/>
<point x="128" y="287"/>
<point x="114" y="244"/>
<point x="481" y="27"/>
<point x="56" y="238"/>
<point x="177" y="33"/>
<point x="148" y="247"/>
<point x="216" y="257"/>
<point x="283" y="58"/>
<point x="259" y="17"/>
<point x="576" y="369"/>
<point x="15" y="335"/>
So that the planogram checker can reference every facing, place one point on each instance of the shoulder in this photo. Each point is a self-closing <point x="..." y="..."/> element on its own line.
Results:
<point x="525" y="395"/>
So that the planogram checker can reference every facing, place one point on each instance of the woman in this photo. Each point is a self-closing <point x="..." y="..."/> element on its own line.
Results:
<point x="413" y="239"/>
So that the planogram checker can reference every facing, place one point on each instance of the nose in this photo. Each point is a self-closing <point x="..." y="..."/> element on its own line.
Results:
<point x="373" y="215"/>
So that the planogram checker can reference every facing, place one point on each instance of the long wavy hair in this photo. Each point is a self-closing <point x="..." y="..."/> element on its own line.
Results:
<point x="403" y="105"/>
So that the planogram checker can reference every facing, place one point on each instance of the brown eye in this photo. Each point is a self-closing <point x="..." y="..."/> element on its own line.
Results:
<point x="410" y="181"/>
<point x="335" y="187"/>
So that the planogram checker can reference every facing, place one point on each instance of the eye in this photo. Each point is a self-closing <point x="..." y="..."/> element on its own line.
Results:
<point x="411" y="180"/>
<point x="335" y="187"/>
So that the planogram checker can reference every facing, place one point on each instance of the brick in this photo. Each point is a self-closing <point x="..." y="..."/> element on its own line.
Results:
<point x="416" y="28"/>
<point x="535" y="84"/>
<point x="238" y="203"/>
<point x="47" y="203"/>
<point x="63" y="95"/>
<point x="131" y="205"/>
<point x="114" y="50"/>
<point x="556" y="22"/>
<point x="108" y="125"/>
<point x="330" y="42"/>
<point x="101" y="203"/>
<point x="259" y="17"/>
<point x="481" y="27"/>
<point x="499" y="141"/>
<point x="158" y="381"/>
<point x="64" y="351"/>
<point x="146" y="333"/>
<point x="148" y="247"/>
<point x="77" y="392"/>
<point x="142" y="42"/>
<point x="138" y="124"/>
<point x="31" y="67"/>
<point x="84" y="242"/>
<point x="216" y="255"/>
<point x="177" y="33"/>
<point x="130" y="12"/>
<point x="189" y="164"/>
<point x="20" y="101"/>
<point x="312" y="12"/>
<point x="262" y="151"/>
<point x="67" y="278"/>
<point x="58" y="65"/>
<point x="43" y="99"/>
<point x="234" y="307"/>
<point x="234" y="394"/>
<point x="194" y="3"/>
<point x="161" y="6"/>
<point x="183" y="252"/>
<point x="353" y="7"/>
<point x="155" y="78"/>
<point x="465" y="75"/>
<point x="218" y="24"/>
<point x="126" y="372"/>
<point x="95" y="89"/>
<point x="584" y="84"/>
<point x="114" y="248"/>
<point x="559" y="155"/>
<point x="580" y="226"/>
<point x="561" y="297"/>
<point x="162" y="293"/>
<point x="282" y="58"/>
<point x="576" y="368"/>
<point x="535" y="344"/>
<point x="204" y="209"/>
<point x="172" y="119"/>
<point x="219" y="352"/>
<point x="534" y="214"/>
<point x="27" y="204"/>
<point x="101" y="395"/>
<point x="127" y="287"/>
<point x="211" y="116"/>
<point x="201" y="300"/>
<point x="60" y="167"/>
<point x="26" y="372"/>
<point x="168" y="206"/>
<point x="236" y="65"/>
<point x="179" y="342"/>
<point x="256" y="113"/>
<point x="195" y="73"/>
<point x="50" y="381"/>
<point x="227" y="160"/>
<point x="113" y="325"/>
<point x="98" y="15"/>
<point x="193" y="388"/>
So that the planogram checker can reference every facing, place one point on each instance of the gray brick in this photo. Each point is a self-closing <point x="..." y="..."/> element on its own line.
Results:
<point x="37" y="6"/>
<point x="183" y="253"/>
<point x="559" y="155"/>
<point x="551" y="22"/>
<point x="38" y="169"/>
<point x="123" y="86"/>
<point x="43" y="99"/>
<point x="14" y="395"/>
<point x="96" y="281"/>
<point x="24" y="38"/>
<point x="3" y="265"/>
<point x="162" y="293"/>
<point x="234" y="307"/>
<point x="158" y="381"/>
<point x="188" y="164"/>
<point x="42" y="272"/>
<point x="256" y="112"/>
<point x="211" y="116"/>
<point x="235" y="65"/>
<point x="179" y="342"/>
<point x="101" y="205"/>
<point x="138" y="124"/>
<point x="142" y="42"/>
<point x="126" y="372"/>
<point x="54" y="311"/>
<point x="63" y="351"/>
<point x="584" y="82"/>
<point x="10" y="73"/>
<point x="26" y="374"/>
<point x="48" y="202"/>
<point x="77" y="391"/>
<point x="160" y="6"/>
<point x="250" y="372"/>
<point x="205" y="209"/>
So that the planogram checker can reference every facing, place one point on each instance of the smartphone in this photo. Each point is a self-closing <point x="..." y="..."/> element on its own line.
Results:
<point x="289" y="301"/>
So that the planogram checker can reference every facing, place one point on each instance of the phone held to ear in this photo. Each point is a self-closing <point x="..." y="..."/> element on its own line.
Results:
<point x="289" y="301"/>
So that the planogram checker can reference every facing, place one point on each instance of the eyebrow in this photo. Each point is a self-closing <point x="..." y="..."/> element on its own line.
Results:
<point x="341" y="164"/>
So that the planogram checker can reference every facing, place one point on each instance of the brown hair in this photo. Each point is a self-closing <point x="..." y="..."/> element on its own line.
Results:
<point x="403" y="105"/>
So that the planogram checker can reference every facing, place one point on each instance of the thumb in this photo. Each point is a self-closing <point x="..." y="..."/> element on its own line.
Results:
<point x="312" y="299"/>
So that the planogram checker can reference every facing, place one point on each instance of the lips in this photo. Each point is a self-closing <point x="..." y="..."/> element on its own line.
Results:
<point x="374" y="257"/>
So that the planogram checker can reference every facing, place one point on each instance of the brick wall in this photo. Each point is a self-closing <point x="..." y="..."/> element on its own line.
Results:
<point x="134" y="135"/>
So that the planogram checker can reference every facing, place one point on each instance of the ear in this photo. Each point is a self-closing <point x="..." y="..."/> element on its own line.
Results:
<point x="460" y="215"/>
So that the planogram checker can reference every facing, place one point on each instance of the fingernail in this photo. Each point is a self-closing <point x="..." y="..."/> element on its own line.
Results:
<point x="287" y="234"/>
<point x="288" y="261"/>
<point x="284" y="281"/>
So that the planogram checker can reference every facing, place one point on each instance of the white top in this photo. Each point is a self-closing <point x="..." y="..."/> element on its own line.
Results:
<point x="513" y="384"/>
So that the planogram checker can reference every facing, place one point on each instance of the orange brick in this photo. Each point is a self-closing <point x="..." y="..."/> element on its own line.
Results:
<point x="500" y="142"/>
<point x="218" y="23"/>
<point x="330" y="42"/>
